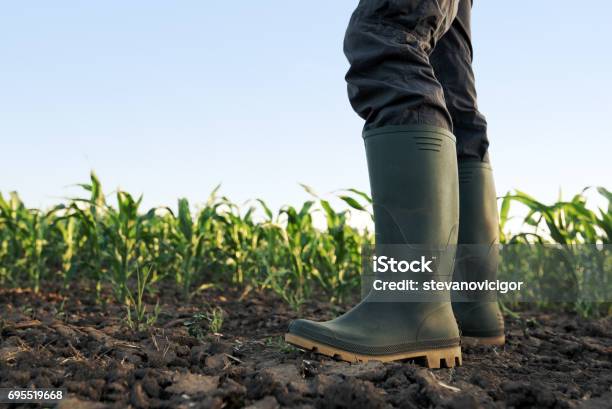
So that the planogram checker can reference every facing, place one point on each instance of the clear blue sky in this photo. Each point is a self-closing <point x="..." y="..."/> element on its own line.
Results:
<point x="171" y="98"/>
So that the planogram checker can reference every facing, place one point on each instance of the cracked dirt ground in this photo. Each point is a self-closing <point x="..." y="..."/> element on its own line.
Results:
<point x="551" y="360"/>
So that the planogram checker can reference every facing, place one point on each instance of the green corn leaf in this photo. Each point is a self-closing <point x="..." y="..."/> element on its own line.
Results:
<point x="353" y="203"/>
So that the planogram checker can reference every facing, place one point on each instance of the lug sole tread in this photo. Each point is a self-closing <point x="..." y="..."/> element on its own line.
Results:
<point x="448" y="357"/>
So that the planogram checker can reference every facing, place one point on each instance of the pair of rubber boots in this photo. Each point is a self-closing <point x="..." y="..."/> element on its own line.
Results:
<point x="422" y="197"/>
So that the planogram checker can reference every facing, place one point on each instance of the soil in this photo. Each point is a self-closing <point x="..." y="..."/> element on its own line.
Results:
<point x="50" y="340"/>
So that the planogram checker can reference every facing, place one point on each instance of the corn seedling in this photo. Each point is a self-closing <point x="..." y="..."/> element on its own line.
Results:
<point x="202" y="324"/>
<point x="137" y="315"/>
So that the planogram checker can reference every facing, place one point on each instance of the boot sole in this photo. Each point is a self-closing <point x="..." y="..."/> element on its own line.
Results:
<point x="434" y="358"/>
<point x="475" y="341"/>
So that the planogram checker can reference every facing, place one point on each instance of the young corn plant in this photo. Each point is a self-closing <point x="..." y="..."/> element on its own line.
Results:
<point x="67" y="228"/>
<point x="200" y="325"/>
<point x="137" y="315"/>
<point x="293" y="280"/>
<point x="338" y="250"/>
<point x="189" y="241"/>
<point x="11" y="252"/>
<point x="242" y="240"/>
<point x="215" y="320"/>
<point x="123" y="229"/>
<point x="35" y="240"/>
<point x="90" y="215"/>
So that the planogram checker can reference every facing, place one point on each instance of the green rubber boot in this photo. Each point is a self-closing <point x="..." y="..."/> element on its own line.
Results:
<point x="414" y="184"/>
<point x="478" y="315"/>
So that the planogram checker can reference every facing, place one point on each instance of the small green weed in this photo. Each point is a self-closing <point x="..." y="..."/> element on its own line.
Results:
<point x="203" y="324"/>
